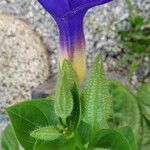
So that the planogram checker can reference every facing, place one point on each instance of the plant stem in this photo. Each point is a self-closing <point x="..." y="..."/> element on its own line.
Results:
<point x="63" y="120"/>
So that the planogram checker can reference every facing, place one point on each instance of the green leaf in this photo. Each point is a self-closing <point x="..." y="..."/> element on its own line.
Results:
<point x="136" y="47"/>
<point x="69" y="145"/>
<point x="46" y="145"/>
<point x="133" y="67"/>
<point x="95" y="97"/>
<point x="138" y="35"/>
<point x="74" y="119"/>
<point x="145" y="135"/>
<point x="48" y="133"/>
<point x="124" y="59"/>
<point x="128" y="133"/>
<point x="125" y="107"/>
<point x="138" y="21"/>
<point x="64" y="99"/>
<point x="9" y="140"/>
<point x="115" y="140"/>
<point x="84" y="132"/>
<point x="100" y="149"/>
<point x="130" y="9"/>
<point x="143" y="94"/>
<point x="55" y="145"/>
<point x="30" y="115"/>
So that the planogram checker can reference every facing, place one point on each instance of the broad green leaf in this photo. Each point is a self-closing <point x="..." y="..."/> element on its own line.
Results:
<point x="145" y="135"/>
<point x="100" y="149"/>
<point x="83" y="132"/>
<point x="9" y="140"/>
<point x="69" y="145"/>
<point x="125" y="107"/>
<point x="74" y="119"/>
<point x="64" y="99"/>
<point x="48" y="133"/>
<point x="46" y="145"/>
<point x="30" y="115"/>
<point x="114" y="140"/>
<point x="143" y="94"/>
<point x="128" y="133"/>
<point x="95" y="97"/>
<point x="55" y="145"/>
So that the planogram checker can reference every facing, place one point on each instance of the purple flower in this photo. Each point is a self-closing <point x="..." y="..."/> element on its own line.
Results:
<point x="69" y="15"/>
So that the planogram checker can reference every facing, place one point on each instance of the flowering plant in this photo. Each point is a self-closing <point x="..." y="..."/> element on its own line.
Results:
<point x="69" y="15"/>
<point x="72" y="118"/>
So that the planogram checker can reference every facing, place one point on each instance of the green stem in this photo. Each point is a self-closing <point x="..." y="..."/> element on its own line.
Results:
<point x="130" y="9"/>
<point x="63" y="120"/>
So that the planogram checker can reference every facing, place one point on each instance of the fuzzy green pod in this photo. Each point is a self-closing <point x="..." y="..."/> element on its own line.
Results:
<point x="64" y="99"/>
<point x="95" y="97"/>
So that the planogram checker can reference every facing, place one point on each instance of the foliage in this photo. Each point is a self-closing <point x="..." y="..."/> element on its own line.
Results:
<point x="125" y="107"/>
<point x="132" y="110"/>
<point x="143" y="97"/>
<point x="9" y="140"/>
<point x="135" y="39"/>
<point x="40" y="125"/>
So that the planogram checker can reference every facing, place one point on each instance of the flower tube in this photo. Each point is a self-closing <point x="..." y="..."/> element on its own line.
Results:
<point x="69" y="15"/>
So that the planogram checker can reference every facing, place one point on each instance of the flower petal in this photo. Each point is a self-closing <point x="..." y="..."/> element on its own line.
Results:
<point x="69" y="16"/>
<point x="55" y="7"/>
<point x="59" y="8"/>
<point x="72" y="43"/>
<point x="90" y="3"/>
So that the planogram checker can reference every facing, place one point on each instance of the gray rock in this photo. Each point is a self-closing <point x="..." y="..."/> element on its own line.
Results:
<point x="45" y="89"/>
<point x="24" y="60"/>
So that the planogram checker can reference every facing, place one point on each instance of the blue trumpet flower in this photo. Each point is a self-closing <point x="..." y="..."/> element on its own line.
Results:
<point x="69" y="15"/>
